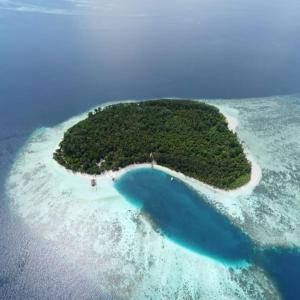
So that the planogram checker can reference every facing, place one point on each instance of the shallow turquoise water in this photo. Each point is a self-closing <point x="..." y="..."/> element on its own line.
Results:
<point x="179" y="214"/>
<point x="182" y="216"/>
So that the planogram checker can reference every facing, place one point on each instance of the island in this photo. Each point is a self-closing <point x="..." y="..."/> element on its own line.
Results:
<point x="186" y="136"/>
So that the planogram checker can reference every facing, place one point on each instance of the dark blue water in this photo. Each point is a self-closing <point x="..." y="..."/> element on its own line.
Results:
<point x="182" y="216"/>
<point x="54" y="65"/>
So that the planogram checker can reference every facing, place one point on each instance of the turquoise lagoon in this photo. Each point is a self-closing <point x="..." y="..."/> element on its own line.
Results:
<point x="183" y="216"/>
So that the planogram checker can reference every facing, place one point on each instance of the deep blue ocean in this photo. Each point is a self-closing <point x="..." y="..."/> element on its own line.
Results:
<point x="59" y="58"/>
<point x="182" y="216"/>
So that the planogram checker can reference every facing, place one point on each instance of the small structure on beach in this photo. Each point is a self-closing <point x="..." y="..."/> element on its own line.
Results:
<point x="152" y="160"/>
<point x="93" y="182"/>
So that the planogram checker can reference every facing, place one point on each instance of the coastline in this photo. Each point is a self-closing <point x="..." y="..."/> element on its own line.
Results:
<point x="201" y="187"/>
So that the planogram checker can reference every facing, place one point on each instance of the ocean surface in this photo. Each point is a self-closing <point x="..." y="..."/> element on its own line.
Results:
<point x="60" y="58"/>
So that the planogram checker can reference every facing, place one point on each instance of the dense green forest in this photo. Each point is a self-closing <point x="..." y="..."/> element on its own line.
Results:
<point x="186" y="136"/>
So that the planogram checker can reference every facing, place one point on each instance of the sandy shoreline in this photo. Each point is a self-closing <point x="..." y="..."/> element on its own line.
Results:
<point x="202" y="187"/>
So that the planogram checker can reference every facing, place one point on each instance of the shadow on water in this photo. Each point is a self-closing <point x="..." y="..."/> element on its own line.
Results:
<point x="176" y="210"/>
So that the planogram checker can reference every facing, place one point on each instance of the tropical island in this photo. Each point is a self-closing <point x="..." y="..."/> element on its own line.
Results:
<point x="186" y="136"/>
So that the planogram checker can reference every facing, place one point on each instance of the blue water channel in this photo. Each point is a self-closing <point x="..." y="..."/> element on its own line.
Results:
<point x="182" y="216"/>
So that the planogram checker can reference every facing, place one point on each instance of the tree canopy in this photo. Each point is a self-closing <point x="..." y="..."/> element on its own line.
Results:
<point x="186" y="136"/>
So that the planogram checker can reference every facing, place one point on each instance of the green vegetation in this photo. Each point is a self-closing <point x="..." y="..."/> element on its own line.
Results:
<point x="186" y="136"/>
